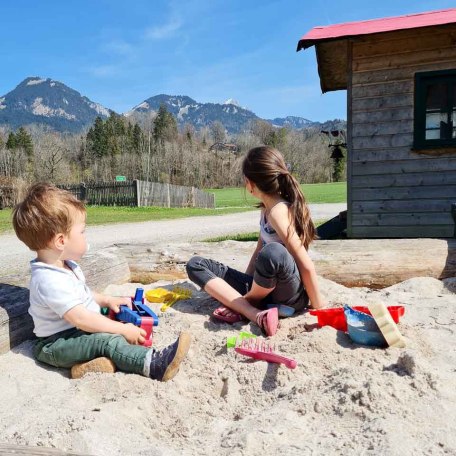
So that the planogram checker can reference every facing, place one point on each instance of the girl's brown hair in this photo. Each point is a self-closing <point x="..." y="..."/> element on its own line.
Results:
<point x="266" y="168"/>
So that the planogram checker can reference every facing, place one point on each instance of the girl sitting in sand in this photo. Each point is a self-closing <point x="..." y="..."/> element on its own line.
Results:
<point x="280" y="277"/>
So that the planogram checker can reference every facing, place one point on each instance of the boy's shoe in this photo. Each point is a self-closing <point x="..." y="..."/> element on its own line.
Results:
<point x="165" y="363"/>
<point x="95" y="365"/>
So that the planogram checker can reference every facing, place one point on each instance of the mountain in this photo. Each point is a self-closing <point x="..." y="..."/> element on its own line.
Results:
<point x="292" y="122"/>
<point x="234" y="117"/>
<point x="49" y="102"/>
<point x="52" y="103"/>
<point x="187" y="110"/>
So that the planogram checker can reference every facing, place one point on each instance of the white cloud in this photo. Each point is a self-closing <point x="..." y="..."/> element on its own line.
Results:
<point x="119" y="47"/>
<point x="163" y="31"/>
<point x="102" y="71"/>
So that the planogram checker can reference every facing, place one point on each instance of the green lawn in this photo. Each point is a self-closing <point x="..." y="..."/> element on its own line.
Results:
<point x="227" y="200"/>
<point x="335" y="192"/>
<point x="100" y="215"/>
<point x="246" y="237"/>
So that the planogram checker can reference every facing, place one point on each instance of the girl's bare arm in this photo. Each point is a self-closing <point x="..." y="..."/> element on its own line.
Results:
<point x="251" y="267"/>
<point x="279" y="219"/>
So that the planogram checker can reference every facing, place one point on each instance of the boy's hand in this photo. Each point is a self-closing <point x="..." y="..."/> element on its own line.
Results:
<point x="133" y="334"/>
<point x="114" y="302"/>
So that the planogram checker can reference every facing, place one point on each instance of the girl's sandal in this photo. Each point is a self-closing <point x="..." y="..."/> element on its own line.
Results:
<point x="268" y="321"/>
<point x="227" y="315"/>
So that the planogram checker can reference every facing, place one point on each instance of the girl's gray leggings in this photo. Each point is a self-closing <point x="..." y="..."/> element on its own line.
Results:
<point x="274" y="268"/>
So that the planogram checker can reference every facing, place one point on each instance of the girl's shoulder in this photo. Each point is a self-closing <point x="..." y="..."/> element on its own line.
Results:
<point x="280" y="207"/>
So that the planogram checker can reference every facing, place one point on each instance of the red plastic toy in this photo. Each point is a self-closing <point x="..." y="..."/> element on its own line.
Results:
<point x="335" y="317"/>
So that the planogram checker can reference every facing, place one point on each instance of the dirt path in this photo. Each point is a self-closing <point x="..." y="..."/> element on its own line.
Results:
<point x="14" y="255"/>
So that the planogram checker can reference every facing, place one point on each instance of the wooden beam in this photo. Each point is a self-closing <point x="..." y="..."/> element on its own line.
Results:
<point x="18" y="450"/>
<point x="379" y="263"/>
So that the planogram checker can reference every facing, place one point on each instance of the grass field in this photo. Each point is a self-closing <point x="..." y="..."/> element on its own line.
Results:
<point x="246" y="237"/>
<point x="335" y="192"/>
<point x="227" y="200"/>
<point x="100" y="215"/>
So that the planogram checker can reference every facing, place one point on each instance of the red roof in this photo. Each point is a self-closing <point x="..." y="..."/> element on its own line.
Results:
<point x="387" y="24"/>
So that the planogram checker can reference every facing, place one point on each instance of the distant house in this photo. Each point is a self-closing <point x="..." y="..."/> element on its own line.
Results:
<point x="224" y="147"/>
<point x="400" y="77"/>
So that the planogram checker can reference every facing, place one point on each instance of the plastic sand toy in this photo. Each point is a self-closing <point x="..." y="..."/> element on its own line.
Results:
<point x="232" y="341"/>
<point x="167" y="297"/>
<point x="263" y="351"/>
<point x="158" y="295"/>
<point x="335" y="317"/>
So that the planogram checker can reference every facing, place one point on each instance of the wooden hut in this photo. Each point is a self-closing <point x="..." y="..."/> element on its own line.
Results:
<point x="400" y="77"/>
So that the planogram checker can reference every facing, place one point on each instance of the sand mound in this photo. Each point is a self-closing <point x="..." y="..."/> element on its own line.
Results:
<point x="341" y="399"/>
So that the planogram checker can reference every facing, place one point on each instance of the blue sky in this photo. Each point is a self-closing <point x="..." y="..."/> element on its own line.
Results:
<point x="119" y="53"/>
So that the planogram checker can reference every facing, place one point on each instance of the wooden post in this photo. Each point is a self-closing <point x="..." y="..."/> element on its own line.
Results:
<point x="83" y="190"/>
<point x="137" y="192"/>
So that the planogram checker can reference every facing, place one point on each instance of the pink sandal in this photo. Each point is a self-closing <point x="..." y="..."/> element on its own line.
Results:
<point x="268" y="321"/>
<point x="227" y="315"/>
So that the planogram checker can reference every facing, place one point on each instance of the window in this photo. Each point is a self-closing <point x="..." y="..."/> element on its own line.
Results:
<point x="435" y="109"/>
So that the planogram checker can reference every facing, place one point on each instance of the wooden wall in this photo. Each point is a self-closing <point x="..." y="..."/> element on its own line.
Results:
<point x="394" y="191"/>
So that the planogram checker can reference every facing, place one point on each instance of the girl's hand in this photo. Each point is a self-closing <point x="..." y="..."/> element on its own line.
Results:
<point x="321" y="305"/>
<point x="114" y="302"/>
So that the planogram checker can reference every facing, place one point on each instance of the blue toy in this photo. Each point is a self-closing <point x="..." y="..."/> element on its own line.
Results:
<point x="139" y="315"/>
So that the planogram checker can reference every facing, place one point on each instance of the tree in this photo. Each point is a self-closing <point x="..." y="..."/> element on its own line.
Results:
<point x="11" y="141"/>
<point x="218" y="132"/>
<point x="165" y="126"/>
<point x="137" y="139"/>
<point x="24" y="140"/>
<point x="97" y="141"/>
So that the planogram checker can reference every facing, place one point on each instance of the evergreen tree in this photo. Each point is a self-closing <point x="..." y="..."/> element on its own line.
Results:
<point x="24" y="141"/>
<point x="165" y="126"/>
<point x="136" y="139"/>
<point x="97" y="141"/>
<point x="11" y="142"/>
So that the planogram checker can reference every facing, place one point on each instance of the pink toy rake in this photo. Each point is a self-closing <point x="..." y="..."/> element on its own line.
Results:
<point x="264" y="351"/>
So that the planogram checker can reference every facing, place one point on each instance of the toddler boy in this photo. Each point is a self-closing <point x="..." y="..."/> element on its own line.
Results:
<point x="66" y="314"/>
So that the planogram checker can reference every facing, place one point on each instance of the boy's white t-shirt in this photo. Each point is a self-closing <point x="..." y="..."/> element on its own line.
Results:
<point x="53" y="292"/>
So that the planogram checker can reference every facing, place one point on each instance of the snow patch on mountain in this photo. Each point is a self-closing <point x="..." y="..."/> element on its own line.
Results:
<point x="40" y="109"/>
<point x="100" y="109"/>
<point x="183" y="112"/>
<point x="2" y="106"/>
<point x="35" y="81"/>
<point x="232" y="101"/>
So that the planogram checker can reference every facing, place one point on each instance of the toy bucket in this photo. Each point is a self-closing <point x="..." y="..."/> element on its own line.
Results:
<point x="363" y="329"/>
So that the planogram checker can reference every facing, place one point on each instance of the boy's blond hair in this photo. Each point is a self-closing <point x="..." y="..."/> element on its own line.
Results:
<point x="45" y="212"/>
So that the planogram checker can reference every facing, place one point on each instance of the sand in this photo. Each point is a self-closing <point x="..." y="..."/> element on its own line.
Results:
<point x="341" y="399"/>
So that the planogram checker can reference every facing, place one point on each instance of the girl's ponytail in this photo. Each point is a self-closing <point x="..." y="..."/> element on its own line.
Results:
<point x="291" y="191"/>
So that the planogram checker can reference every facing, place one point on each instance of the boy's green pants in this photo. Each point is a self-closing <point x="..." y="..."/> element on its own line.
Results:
<point x="67" y="348"/>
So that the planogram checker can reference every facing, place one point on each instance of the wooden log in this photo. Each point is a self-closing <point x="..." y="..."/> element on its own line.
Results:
<point x="17" y="450"/>
<point x="107" y="266"/>
<point x="373" y="263"/>
<point x="380" y="263"/>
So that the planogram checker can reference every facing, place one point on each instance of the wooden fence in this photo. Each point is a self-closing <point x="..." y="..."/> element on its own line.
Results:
<point x="131" y="193"/>
<point x="168" y="195"/>
<point x="105" y="193"/>
<point x="8" y="197"/>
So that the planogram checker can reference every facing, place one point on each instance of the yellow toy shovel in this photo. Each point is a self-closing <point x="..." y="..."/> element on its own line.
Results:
<point x="178" y="293"/>
<point x="167" y="297"/>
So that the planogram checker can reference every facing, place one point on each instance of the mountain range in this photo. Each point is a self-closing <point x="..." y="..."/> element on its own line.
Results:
<point x="52" y="103"/>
